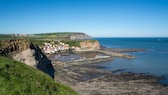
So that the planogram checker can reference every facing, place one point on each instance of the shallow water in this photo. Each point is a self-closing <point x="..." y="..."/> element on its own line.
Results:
<point x="153" y="61"/>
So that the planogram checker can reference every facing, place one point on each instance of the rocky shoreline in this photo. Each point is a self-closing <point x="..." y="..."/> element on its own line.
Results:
<point x="97" y="59"/>
<point x="92" y="80"/>
<point x="97" y="56"/>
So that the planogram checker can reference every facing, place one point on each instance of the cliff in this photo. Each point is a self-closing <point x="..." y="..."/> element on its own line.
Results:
<point x="89" y="45"/>
<point x="79" y="36"/>
<point x="10" y="46"/>
<point x="24" y="51"/>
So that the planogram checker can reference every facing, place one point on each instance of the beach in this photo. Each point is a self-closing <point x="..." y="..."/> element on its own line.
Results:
<point x="89" y="79"/>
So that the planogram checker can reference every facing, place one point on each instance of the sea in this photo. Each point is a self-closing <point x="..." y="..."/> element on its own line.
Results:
<point x="153" y="61"/>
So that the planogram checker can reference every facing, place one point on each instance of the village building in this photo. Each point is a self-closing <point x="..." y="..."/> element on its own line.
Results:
<point x="54" y="48"/>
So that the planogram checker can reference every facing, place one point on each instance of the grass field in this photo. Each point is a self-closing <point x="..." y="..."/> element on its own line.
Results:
<point x="16" y="78"/>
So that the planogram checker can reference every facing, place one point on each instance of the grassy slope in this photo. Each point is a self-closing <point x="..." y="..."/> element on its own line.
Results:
<point x="58" y="34"/>
<point x="41" y="35"/>
<point x="5" y="36"/>
<point x="17" y="78"/>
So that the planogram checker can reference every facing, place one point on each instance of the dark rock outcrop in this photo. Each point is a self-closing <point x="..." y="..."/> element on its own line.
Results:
<point x="43" y="63"/>
<point x="11" y="46"/>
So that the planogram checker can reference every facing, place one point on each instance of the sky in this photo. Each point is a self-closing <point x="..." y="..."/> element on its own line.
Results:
<point x="97" y="18"/>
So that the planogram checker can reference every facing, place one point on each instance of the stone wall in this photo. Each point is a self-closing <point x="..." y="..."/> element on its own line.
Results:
<point x="97" y="59"/>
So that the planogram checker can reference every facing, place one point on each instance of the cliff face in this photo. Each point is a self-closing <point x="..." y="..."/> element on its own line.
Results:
<point x="24" y="51"/>
<point x="89" y="45"/>
<point x="10" y="46"/>
<point x="26" y="56"/>
<point x="79" y="36"/>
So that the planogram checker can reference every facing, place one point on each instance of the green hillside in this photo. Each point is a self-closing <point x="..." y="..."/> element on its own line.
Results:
<point x="17" y="78"/>
<point x="5" y="36"/>
<point x="40" y="35"/>
<point x="59" y="33"/>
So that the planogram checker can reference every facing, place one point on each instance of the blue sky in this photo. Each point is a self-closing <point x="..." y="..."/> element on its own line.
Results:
<point x="98" y="18"/>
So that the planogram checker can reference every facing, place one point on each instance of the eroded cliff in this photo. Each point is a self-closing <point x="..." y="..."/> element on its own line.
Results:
<point x="24" y="51"/>
<point x="89" y="45"/>
<point x="79" y="36"/>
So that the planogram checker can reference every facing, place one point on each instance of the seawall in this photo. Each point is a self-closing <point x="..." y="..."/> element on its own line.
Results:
<point x="97" y="59"/>
<point x="115" y="54"/>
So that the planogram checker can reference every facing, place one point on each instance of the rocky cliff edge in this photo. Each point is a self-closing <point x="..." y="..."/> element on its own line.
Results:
<point x="24" y="51"/>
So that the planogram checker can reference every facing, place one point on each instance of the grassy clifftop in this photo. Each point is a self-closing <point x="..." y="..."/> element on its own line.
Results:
<point x="44" y="36"/>
<point x="59" y="34"/>
<point x="17" y="78"/>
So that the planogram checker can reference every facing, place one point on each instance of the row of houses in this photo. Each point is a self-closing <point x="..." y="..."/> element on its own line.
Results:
<point x="54" y="48"/>
<point x="60" y="46"/>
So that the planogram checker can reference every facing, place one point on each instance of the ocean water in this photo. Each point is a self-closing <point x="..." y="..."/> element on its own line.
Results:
<point x="154" y="61"/>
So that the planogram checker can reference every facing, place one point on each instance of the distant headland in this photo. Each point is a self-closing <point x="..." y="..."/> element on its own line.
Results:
<point x="53" y="35"/>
